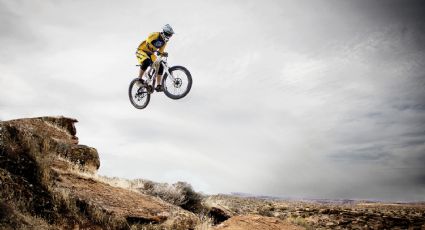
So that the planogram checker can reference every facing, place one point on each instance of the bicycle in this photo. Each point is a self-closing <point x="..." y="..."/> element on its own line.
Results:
<point x="176" y="82"/>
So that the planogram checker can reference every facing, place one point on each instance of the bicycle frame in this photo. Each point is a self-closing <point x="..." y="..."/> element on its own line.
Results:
<point x="154" y="68"/>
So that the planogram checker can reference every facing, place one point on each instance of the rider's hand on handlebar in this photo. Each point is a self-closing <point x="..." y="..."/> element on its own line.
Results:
<point x="165" y="54"/>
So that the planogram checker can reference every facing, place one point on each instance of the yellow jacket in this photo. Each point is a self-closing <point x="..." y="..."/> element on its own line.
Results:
<point x="149" y="46"/>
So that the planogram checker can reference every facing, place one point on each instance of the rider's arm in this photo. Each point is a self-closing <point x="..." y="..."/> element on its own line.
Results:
<point x="161" y="50"/>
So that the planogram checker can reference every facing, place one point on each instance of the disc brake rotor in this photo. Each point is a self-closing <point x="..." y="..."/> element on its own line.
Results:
<point x="178" y="82"/>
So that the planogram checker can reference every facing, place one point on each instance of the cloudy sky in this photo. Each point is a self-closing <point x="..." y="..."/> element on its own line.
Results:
<point x="316" y="99"/>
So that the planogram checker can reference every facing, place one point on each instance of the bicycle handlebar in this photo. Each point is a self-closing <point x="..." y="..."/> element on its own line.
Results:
<point x="161" y="54"/>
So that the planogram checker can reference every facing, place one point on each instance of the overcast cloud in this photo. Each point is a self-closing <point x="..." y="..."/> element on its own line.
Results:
<point x="317" y="99"/>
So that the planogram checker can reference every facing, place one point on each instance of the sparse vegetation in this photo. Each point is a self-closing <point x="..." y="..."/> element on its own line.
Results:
<point x="180" y="193"/>
<point x="328" y="215"/>
<point x="206" y="222"/>
<point x="300" y="221"/>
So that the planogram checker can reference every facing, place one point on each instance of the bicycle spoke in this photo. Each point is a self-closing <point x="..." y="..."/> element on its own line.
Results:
<point x="178" y="85"/>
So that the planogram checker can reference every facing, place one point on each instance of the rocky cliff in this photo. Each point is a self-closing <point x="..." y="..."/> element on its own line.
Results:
<point x="48" y="181"/>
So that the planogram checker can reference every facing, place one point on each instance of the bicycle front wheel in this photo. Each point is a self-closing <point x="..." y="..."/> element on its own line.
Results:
<point x="138" y="94"/>
<point x="178" y="84"/>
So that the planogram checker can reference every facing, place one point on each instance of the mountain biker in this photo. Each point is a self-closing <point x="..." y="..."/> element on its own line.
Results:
<point x="145" y="53"/>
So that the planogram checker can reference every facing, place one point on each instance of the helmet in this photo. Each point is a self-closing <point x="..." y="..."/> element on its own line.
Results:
<point x="167" y="32"/>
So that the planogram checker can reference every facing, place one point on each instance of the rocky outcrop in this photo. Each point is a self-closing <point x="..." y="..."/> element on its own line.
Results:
<point x="216" y="210"/>
<point x="48" y="180"/>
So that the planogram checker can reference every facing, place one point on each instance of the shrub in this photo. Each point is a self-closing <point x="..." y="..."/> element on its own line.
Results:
<point x="180" y="194"/>
<point x="191" y="200"/>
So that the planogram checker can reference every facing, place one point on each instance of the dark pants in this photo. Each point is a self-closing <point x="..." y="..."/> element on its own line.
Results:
<point x="148" y="62"/>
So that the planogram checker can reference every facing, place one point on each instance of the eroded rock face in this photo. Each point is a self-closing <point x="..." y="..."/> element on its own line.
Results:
<point x="64" y="123"/>
<point x="85" y="156"/>
<point x="27" y="149"/>
<point x="48" y="180"/>
<point x="54" y="135"/>
<point x="218" y="215"/>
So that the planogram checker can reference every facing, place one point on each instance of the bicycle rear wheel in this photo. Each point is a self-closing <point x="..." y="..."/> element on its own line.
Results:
<point x="138" y="94"/>
<point x="179" y="84"/>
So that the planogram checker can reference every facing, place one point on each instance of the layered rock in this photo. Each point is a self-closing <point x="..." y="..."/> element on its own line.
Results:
<point x="48" y="181"/>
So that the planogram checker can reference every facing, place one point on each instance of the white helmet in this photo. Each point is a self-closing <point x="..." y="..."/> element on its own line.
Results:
<point x="167" y="32"/>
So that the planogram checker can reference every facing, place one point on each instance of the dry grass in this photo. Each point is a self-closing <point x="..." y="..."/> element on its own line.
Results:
<point x="82" y="212"/>
<point x="176" y="193"/>
<point x="300" y="221"/>
<point x="12" y="218"/>
<point x="205" y="223"/>
<point x="180" y="194"/>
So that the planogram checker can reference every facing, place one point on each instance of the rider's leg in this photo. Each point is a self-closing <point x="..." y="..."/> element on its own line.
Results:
<point x="159" y="78"/>
<point x="144" y="65"/>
